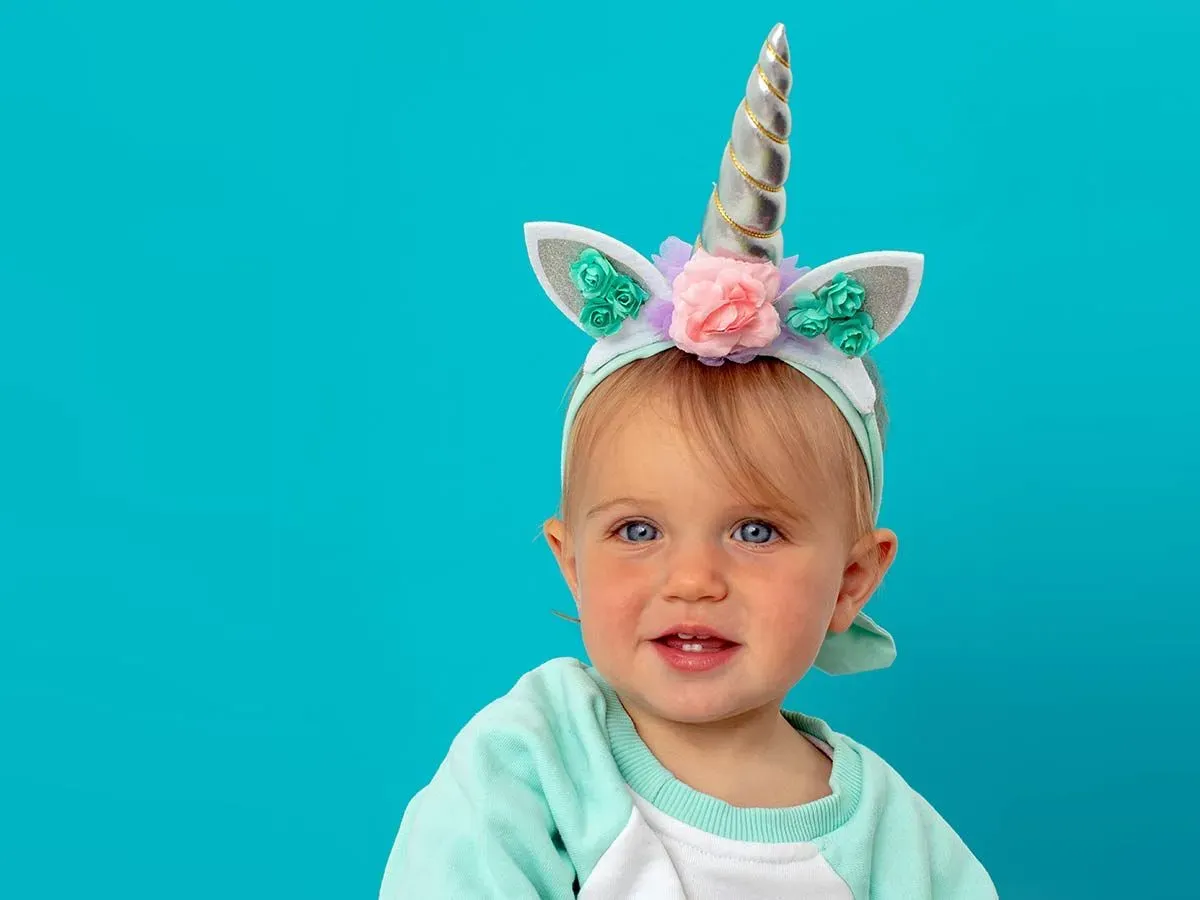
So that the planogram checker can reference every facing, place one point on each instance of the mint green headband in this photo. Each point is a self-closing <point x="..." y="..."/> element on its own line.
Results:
<point x="731" y="298"/>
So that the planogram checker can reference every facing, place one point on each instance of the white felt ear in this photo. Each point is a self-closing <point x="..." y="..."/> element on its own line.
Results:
<point x="891" y="279"/>
<point x="553" y="246"/>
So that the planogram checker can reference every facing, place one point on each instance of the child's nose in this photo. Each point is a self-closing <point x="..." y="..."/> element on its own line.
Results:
<point x="696" y="573"/>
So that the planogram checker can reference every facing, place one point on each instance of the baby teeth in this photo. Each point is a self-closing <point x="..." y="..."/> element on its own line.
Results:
<point x="693" y="648"/>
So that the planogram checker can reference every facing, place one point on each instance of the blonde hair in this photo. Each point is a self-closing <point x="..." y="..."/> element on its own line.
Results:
<point x="719" y="408"/>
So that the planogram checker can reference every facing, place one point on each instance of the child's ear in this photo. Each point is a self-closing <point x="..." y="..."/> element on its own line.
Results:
<point x="559" y="540"/>
<point x="869" y="561"/>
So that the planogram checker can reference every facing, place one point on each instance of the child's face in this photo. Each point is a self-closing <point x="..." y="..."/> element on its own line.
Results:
<point x="661" y="543"/>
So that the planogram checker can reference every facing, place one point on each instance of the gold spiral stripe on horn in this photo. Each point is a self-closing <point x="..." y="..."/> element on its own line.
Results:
<point x="742" y="229"/>
<point x="761" y="185"/>
<point x="779" y="59"/>
<point x="770" y="87"/>
<point x="757" y="124"/>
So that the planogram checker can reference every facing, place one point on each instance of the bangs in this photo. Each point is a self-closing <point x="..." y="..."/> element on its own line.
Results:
<point x="765" y="428"/>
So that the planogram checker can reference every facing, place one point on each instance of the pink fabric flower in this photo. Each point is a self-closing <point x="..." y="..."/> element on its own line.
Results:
<point x="724" y="305"/>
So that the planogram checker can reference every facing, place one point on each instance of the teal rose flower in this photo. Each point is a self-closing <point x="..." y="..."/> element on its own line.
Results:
<point x="843" y="296"/>
<point x="808" y="316"/>
<point x="600" y="318"/>
<point x="854" y="336"/>
<point x="592" y="274"/>
<point x="626" y="296"/>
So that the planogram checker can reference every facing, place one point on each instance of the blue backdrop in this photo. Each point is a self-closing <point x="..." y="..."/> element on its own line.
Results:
<point x="268" y="519"/>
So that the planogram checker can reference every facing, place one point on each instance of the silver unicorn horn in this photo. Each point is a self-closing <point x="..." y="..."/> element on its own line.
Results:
<point x="746" y="210"/>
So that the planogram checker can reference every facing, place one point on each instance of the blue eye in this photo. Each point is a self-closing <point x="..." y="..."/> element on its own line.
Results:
<point x="638" y="532"/>
<point x="756" y="532"/>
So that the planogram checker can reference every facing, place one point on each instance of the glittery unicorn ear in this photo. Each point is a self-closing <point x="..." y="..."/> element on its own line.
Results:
<point x="856" y="301"/>
<point x="599" y="283"/>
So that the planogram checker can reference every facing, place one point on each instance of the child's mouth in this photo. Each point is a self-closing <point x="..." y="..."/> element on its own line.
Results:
<point x="694" y="643"/>
<point x="694" y="651"/>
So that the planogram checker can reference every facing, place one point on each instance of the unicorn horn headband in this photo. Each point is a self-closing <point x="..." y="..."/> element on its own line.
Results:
<point x="731" y="297"/>
<point x="746" y="210"/>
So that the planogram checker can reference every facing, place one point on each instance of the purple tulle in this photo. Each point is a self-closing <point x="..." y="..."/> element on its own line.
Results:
<point x="658" y="315"/>
<point x="672" y="256"/>
<point x="738" y="356"/>
<point x="789" y="273"/>
<point x="786" y="336"/>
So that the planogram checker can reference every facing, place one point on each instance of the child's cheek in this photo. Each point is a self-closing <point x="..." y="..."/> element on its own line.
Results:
<point x="614" y="591"/>
<point x="790" y="620"/>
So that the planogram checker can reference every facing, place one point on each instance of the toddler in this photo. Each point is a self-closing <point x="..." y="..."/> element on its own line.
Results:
<point x="722" y="472"/>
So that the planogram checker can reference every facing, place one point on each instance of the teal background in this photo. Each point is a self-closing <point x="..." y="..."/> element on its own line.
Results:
<point x="281" y="399"/>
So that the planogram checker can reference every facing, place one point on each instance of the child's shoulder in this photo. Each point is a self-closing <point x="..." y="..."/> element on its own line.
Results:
<point x="898" y="830"/>
<point x="550" y="711"/>
<point x="558" y="688"/>
<point x="882" y="791"/>
<point x="873" y="775"/>
<point x="884" y="786"/>
<point x="525" y="802"/>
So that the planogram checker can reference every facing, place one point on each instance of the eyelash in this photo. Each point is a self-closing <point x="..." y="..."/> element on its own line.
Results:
<point x="775" y="529"/>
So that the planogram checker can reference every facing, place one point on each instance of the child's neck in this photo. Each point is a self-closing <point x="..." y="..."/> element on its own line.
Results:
<point x="756" y="759"/>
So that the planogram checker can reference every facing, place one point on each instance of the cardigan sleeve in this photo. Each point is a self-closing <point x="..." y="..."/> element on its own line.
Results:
<point x="524" y="804"/>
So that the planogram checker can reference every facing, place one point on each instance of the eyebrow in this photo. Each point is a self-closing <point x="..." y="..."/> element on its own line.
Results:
<point x="609" y="504"/>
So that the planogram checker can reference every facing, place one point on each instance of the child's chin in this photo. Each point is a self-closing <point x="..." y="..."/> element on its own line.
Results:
<point x="699" y="710"/>
<point x="687" y="717"/>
